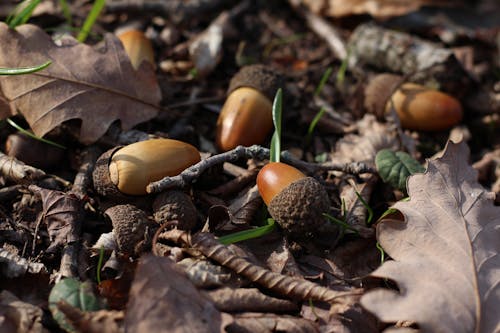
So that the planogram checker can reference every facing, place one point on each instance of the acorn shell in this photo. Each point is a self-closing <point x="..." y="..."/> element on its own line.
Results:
<point x="378" y="91"/>
<point x="175" y="205"/>
<point x="299" y="207"/>
<point x="260" y="77"/>
<point x="138" y="47"/>
<point x="129" y="227"/>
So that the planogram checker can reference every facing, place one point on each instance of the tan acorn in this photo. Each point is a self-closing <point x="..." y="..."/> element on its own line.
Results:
<point x="129" y="170"/>
<point x="296" y="202"/>
<point x="418" y="107"/>
<point x="138" y="47"/>
<point x="246" y="116"/>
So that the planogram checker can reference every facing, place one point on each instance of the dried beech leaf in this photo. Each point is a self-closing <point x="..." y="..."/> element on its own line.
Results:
<point x="63" y="214"/>
<point x="96" y="86"/>
<point x="162" y="297"/>
<point x="17" y="316"/>
<point x="376" y="8"/>
<point x="446" y="253"/>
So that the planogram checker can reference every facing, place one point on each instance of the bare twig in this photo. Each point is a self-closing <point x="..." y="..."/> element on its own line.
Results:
<point x="290" y="287"/>
<point x="323" y="29"/>
<point x="83" y="179"/>
<point x="190" y="175"/>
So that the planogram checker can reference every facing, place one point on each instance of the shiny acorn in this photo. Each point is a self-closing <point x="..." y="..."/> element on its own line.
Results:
<point x="128" y="170"/>
<point x="418" y="107"/>
<point x="246" y="116"/>
<point x="138" y="47"/>
<point x="296" y="202"/>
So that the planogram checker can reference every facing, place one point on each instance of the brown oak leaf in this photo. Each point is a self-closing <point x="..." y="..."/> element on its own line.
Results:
<point x="446" y="252"/>
<point x="95" y="85"/>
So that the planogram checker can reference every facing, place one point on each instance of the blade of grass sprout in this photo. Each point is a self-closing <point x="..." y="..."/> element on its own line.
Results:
<point x="313" y="124"/>
<point x="368" y="208"/>
<point x="28" y="133"/>
<point x="343" y="68"/>
<point x="341" y="223"/>
<point x="276" y="139"/>
<point x="99" y="264"/>
<point x="24" y="70"/>
<point x="392" y="210"/>
<point x="322" y="82"/>
<point x="21" y="16"/>
<point x="248" y="234"/>
<point x="382" y="253"/>
<point x="66" y="12"/>
<point x="90" y="20"/>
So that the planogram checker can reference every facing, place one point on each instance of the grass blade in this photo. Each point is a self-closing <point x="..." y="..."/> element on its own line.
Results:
<point x="66" y="12"/>
<point x="22" y="13"/>
<point x="28" y="133"/>
<point x="276" y="139"/>
<point x="248" y="234"/>
<point x="90" y="20"/>
<point x="24" y="70"/>
<point x="322" y="82"/>
<point x="313" y="124"/>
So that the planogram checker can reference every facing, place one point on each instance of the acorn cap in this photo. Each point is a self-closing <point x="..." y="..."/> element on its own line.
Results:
<point x="129" y="227"/>
<point x="175" y="205"/>
<point x="378" y="91"/>
<point x="299" y="207"/>
<point x="260" y="77"/>
<point x="101" y="176"/>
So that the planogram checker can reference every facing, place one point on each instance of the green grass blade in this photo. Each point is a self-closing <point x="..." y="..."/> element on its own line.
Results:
<point x="90" y="20"/>
<point x="368" y="208"/>
<point x="248" y="234"/>
<point x="313" y="124"/>
<point x="22" y="130"/>
<point x="24" y="70"/>
<point x="99" y="264"/>
<point x="343" y="68"/>
<point x="276" y="139"/>
<point x="22" y="13"/>
<point x="322" y="82"/>
<point x="341" y="223"/>
<point x="66" y="12"/>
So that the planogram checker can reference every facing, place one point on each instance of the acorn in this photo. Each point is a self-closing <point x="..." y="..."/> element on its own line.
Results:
<point x="418" y="107"/>
<point x="130" y="227"/>
<point x="246" y="116"/>
<point x="138" y="47"/>
<point x="175" y="206"/>
<point x="129" y="170"/>
<point x="296" y="202"/>
<point x="34" y="152"/>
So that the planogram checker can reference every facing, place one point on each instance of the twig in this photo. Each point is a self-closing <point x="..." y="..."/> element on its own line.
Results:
<point x="83" y="179"/>
<point x="190" y="175"/>
<point x="290" y="287"/>
<point x="323" y="29"/>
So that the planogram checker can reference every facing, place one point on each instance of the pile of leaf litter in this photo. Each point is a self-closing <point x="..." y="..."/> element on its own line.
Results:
<point x="416" y="211"/>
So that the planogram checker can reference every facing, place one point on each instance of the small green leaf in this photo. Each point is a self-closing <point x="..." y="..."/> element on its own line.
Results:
<point x="75" y="293"/>
<point x="276" y="139"/>
<point x="395" y="167"/>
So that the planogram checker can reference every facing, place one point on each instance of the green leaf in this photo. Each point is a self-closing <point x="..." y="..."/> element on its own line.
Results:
<point x="75" y="293"/>
<point x="395" y="167"/>
<point x="276" y="139"/>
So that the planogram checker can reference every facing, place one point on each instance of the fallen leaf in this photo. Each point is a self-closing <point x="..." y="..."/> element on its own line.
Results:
<point x="162" y="297"/>
<point x="376" y="8"/>
<point x="446" y="253"/>
<point x="63" y="213"/>
<point x="18" y="316"/>
<point x="95" y="85"/>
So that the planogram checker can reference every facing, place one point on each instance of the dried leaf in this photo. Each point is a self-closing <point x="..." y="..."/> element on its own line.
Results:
<point x="97" y="86"/>
<point x="446" y="254"/>
<point x="63" y="214"/>
<point x="376" y="8"/>
<point x="162" y="296"/>
<point x="17" y="316"/>
<point x="92" y="322"/>
<point x="13" y="265"/>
